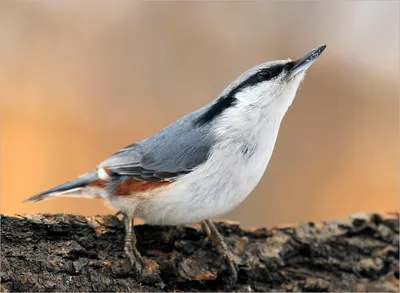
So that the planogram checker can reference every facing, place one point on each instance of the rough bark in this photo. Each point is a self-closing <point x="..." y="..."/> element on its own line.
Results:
<point x="75" y="253"/>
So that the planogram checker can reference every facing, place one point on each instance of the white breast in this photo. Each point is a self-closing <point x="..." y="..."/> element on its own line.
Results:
<point x="233" y="170"/>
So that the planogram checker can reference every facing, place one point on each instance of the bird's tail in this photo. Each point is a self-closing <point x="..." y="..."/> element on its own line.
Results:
<point x="70" y="189"/>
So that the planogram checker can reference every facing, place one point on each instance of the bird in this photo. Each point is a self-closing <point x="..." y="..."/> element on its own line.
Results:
<point x="202" y="165"/>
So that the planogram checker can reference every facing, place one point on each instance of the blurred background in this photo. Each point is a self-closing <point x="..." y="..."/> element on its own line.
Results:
<point x="80" y="80"/>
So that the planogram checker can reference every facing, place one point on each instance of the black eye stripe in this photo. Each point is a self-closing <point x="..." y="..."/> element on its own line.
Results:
<point x="230" y="100"/>
<point x="260" y="76"/>
<point x="274" y="71"/>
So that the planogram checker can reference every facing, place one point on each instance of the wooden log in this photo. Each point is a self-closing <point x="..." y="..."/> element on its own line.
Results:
<point x="58" y="252"/>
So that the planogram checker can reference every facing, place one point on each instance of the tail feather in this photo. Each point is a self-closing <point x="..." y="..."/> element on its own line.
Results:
<point x="66" y="188"/>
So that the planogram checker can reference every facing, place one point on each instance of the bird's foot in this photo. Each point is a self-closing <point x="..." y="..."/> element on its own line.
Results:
<point x="216" y="238"/>
<point x="232" y="268"/>
<point x="131" y="251"/>
<point x="135" y="259"/>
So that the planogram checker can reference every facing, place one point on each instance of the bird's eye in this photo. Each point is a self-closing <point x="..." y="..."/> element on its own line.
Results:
<point x="264" y="75"/>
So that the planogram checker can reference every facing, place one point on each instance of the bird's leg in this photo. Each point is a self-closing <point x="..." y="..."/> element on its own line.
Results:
<point x="216" y="239"/>
<point x="205" y="228"/>
<point x="130" y="244"/>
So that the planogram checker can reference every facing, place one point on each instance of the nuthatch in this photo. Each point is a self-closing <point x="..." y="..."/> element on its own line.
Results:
<point x="202" y="165"/>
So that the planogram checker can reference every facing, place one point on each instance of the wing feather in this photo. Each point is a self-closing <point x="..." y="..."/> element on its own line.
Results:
<point x="174" y="151"/>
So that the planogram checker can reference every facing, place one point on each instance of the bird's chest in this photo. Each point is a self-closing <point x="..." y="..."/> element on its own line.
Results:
<point x="234" y="167"/>
<point x="232" y="173"/>
<point x="249" y="165"/>
<point x="247" y="151"/>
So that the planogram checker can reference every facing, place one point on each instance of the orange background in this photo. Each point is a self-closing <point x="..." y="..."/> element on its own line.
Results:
<point x="79" y="80"/>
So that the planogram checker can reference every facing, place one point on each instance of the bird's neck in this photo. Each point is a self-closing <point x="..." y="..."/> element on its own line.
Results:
<point x="260" y="117"/>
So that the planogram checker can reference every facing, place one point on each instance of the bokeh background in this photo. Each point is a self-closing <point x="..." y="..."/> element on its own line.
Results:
<point x="81" y="79"/>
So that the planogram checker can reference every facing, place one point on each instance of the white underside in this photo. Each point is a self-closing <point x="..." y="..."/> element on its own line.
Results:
<point x="212" y="190"/>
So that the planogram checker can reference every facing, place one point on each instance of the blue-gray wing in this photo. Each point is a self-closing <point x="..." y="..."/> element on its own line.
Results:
<point x="176" y="150"/>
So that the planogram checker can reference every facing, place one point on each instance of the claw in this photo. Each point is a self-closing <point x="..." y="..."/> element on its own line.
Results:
<point x="136" y="260"/>
<point x="232" y="267"/>
<point x="215" y="237"/>
<point x="130" y="245"/>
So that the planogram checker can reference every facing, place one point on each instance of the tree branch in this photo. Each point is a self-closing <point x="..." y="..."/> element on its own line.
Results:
<point x="75" y="253"/>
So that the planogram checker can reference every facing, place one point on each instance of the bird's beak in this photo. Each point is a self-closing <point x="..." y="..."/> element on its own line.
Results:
<point x="305" y="62"/>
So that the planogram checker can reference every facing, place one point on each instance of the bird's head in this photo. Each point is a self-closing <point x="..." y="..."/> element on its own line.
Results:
<point x="271" y="85"/>
<point x="272" y="81"/>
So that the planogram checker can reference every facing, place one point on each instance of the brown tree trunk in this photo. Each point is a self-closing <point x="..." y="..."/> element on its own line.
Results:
<point x="75" y="253"/>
